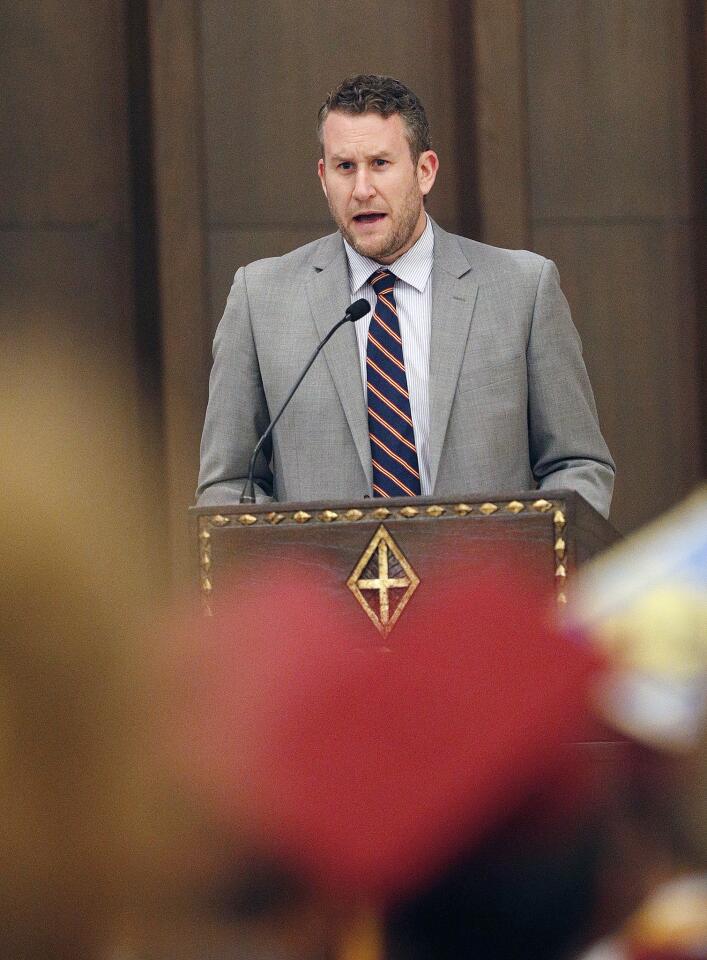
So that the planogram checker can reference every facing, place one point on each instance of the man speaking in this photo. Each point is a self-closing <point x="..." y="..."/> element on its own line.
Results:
<point x="465" y="377"/>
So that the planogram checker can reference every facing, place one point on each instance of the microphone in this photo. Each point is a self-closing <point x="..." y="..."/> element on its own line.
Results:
<point x="358" y="309"/>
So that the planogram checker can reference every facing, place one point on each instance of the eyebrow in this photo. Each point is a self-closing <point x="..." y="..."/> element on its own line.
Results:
<point x="380" y="155"/>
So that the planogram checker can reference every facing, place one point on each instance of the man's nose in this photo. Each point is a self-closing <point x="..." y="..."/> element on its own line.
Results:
<point x="363" y="186"/>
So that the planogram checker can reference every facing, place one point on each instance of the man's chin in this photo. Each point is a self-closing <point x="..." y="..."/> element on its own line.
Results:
<point x="371" y="247"/>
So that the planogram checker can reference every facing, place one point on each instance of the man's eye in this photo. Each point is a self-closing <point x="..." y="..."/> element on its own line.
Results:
<point x="380" y="163"/>
<point x="345" y="165"/>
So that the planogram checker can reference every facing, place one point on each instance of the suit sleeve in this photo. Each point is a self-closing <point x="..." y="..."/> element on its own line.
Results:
<point x="567" y="449"/>
<point x="237" y="412"/>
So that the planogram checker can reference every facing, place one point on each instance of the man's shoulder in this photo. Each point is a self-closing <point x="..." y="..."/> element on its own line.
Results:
<point x="316" y="253"/>
<point x="485" y="259"/>
<point x="486" y="253"/>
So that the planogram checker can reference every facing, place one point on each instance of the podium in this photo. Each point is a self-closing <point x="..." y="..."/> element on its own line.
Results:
<point x="377" y="553"/>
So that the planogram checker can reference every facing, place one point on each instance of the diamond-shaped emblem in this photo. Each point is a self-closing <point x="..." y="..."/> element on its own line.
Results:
<point x="383" y="581"/>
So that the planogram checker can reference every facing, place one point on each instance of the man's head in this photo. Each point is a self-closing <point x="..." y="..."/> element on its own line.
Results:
<point x="376" y="166"/>
<point x="382" y="95"/>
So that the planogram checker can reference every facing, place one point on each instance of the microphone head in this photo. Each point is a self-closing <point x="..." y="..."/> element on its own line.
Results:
<point x="358" y="309"/>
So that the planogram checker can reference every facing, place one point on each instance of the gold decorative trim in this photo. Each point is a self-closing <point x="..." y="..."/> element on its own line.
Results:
<point x="205" y="564"/>
<point x="384" y="546"/>
<point x="560" y="549"/>
<point x="381" y="512"/>
<point x="206" y="589"/>
<point x="220" y="521"/>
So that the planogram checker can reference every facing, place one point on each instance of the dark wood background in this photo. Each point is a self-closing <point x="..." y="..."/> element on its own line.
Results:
<point x="148" y="149"/>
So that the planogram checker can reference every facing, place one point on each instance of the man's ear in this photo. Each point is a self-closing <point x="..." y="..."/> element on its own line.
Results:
<point x="427" y="167"/>
<point x="320" y="172"/>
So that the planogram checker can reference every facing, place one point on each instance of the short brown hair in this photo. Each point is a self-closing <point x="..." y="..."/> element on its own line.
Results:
<point x="366" y="93"/>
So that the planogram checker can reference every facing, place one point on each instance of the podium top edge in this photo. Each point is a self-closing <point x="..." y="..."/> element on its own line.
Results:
<point x="525" y="497"/>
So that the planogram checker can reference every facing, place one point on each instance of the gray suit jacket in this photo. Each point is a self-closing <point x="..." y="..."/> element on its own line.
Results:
<point x="510" y="403"/>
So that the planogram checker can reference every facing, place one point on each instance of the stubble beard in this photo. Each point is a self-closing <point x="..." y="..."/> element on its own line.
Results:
<point x="403" y="228"/>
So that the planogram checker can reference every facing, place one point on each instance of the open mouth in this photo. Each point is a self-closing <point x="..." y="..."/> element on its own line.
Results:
<point x="369" y="217"/>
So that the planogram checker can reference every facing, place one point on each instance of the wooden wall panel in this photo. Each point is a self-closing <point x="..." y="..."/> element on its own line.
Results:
<point x="497" y="77"/>
<point x="180" y="193"/>
<point x="697" y="31"/>
<point x="73" y="282"/>
<point x="607" y="108"/>
<point x="67" y="218"/>
<point x="611" y="202"/>
<point x="65" y="205"/>
<point x="64" y="150"/>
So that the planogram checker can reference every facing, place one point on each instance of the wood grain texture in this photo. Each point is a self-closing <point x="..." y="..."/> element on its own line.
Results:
<point x="501" y="120"/>
<point x="612" y="203"/>
<point x="180" y="197"/>
<point x="67" y="230"/>
<point x="64" y="149"/>
<point x="608" y="109"/>
<point x="65" y="203"/>
<point x="697" y="52"/>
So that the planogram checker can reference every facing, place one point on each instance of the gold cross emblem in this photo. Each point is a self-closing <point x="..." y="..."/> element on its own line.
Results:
<point x="385" y="576"/>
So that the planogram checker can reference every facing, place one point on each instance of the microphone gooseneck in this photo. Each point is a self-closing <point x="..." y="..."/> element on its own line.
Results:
<point x="358" y="309"/>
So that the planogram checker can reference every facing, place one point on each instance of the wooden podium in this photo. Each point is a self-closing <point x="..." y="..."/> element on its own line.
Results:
<point x="377" y="553"/>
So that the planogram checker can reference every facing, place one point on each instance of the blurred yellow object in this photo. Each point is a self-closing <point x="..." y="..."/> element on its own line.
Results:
<point x="673" y="919"/>
<point x="644" y="602"/>
<point x="664" y="632"/>
<point x="80" y="778"/>
<point x="362" y="937"/>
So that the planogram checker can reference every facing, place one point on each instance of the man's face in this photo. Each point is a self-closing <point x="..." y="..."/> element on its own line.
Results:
<point x="373" y="187"/>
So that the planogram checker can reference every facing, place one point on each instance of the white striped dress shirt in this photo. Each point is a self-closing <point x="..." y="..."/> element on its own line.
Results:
<point x="413" y="299"/>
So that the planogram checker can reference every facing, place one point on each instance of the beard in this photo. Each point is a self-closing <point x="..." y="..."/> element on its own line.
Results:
<point x="401" y="228"/>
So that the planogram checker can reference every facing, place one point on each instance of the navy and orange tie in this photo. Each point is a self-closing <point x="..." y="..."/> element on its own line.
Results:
<point x="393" y="453"/>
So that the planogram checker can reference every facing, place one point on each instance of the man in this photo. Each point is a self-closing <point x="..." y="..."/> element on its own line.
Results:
<point x="467" y="376"/>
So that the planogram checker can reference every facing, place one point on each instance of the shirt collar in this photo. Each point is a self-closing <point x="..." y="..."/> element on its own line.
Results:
<point x="414" y="267"/>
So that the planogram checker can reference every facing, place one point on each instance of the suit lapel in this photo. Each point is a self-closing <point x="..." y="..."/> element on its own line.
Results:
<point x="453" y="297"/>
<point x="328" y="292"/>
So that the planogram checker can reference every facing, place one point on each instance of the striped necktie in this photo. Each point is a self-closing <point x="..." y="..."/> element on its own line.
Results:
<point x="393" y="452"/>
